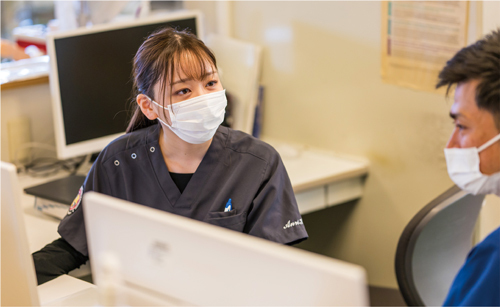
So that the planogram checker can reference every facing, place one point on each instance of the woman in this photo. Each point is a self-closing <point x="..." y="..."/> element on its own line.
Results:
<point x="176" y="157"/>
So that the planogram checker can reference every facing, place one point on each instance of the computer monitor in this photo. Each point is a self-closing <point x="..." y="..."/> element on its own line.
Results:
<point x="91" y="79"/>
<point x="158" y="258"/>
<point x="18" y="280"/>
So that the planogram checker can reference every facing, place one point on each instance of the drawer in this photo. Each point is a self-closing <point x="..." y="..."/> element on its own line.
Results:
<point x="344" y="191"/>
<point x="311" y="200"/>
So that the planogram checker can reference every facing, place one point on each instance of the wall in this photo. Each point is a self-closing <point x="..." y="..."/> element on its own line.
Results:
<point x="33" y="102"/>
<point x="321" y="73"/>
<point x="323" y="88"/>
<point x="209" y="10"/>
<point x="322" y="77"/>
<point x="490" y="213"/>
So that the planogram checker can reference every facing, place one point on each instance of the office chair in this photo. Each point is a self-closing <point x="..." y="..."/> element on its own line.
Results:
<point x="434" y="246"/>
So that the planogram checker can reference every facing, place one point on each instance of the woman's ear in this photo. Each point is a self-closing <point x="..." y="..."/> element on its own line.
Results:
<point x="146" y="106"/>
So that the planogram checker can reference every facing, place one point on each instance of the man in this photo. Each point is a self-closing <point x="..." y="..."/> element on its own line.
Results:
<point x="473" y="159"/>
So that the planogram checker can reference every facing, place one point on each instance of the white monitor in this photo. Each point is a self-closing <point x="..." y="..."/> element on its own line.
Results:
<point x="155" y="257"/>
<point x="18" y="280"/>
<point x="91" y="79"/>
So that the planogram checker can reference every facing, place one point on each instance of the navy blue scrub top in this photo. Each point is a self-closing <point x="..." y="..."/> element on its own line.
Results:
<point x="478" y="281"/>
<point x="236" y="166"/>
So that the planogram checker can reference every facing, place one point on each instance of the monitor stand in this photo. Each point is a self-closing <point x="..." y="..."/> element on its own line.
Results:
<point x="84" y="168"/>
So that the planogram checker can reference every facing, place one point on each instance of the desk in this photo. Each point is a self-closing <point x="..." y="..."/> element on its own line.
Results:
<point x="24" y="72"/>
<point x="41" y="229"/>
<point x="321" y="179"/>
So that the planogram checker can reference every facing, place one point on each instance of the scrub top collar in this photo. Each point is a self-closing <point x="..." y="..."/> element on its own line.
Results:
<point x="202" y="175"/>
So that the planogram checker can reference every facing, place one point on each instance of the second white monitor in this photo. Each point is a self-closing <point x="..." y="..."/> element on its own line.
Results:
<point x="184" y="261"/>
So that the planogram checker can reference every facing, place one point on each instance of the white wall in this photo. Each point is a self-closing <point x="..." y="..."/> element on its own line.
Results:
<point x="490" y="213"/>
<point x="323" y="88"/>
<point x="34" y="102"/>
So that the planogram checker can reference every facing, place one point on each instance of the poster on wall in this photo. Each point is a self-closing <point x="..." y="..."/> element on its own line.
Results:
<point x="418" y="37"/>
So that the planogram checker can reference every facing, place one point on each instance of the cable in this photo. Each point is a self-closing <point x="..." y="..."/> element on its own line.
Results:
<point x="45" y="166"/>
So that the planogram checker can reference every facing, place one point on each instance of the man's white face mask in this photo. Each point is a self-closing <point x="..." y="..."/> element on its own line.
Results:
<point x="463" y="168"/>
<point x="196" y="120"/>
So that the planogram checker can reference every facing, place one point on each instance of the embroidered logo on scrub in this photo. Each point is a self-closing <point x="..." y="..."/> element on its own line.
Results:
<point x="292" y="224"/>
<point x="76" y="202"/>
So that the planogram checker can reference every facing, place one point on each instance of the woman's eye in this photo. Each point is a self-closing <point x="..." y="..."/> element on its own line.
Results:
<point x="212" y="83"/>
<point x="183" y="91"/>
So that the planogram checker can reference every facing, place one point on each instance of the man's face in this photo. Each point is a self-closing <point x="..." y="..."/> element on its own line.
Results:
<point x="474" y="127"/>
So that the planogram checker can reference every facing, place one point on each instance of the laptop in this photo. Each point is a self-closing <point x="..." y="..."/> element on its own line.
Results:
<point x="145" y="256"/>
<point x="19" y="284"/>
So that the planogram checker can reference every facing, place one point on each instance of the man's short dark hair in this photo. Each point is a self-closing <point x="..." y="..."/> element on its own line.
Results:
<point x="479" y="61"/>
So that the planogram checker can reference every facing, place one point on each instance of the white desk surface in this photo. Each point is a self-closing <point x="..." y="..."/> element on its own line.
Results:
<point x="41" y="229"/>
<point x="68" y="291"/>
<point x="319" y="178"/>
<point x="309" y="168"/>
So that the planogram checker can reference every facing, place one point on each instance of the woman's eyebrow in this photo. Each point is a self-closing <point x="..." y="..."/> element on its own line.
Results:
<point x="190" y="79"/>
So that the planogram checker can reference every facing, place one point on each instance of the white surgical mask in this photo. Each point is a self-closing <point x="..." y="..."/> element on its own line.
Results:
<point x="463" y="168"/>
<point x="195" y="120"/>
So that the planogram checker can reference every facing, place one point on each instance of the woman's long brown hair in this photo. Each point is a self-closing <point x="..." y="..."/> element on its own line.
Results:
<point x="162" y="54"/>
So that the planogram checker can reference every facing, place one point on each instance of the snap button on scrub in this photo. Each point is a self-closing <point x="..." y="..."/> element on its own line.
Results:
<point x="117" y="162"/>
<point x="152" y="149"/>
<point x="134" y="156"/>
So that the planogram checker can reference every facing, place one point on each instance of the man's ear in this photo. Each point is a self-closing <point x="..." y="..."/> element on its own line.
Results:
<point x="146" y="106"/>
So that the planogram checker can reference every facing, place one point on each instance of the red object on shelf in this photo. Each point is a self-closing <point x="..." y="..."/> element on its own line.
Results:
<point x="30" y="35"/>
<point x="25" y="43"/>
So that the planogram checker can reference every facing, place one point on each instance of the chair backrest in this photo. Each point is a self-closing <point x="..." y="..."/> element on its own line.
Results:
<point x="239" y="63"/>
<point x="434" y="246"/>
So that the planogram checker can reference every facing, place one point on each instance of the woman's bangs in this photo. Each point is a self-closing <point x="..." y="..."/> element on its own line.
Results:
<point x="194" y="64"/>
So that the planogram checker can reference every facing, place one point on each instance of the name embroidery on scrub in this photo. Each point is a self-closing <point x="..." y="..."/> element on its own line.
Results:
<point x="292" y="224"/>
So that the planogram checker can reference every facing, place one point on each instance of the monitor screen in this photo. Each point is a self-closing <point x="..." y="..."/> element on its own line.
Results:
<point x="91" y="79"/>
